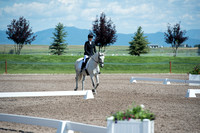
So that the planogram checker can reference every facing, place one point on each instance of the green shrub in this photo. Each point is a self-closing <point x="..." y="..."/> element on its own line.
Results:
<point x="196" y="70"/>
<point x="135" y="112"/>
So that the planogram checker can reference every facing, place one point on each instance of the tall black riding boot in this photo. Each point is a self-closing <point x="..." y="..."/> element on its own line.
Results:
<point x="83" y="66"/>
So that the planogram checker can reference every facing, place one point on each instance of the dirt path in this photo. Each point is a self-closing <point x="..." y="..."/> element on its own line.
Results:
<point x="175" y="113"/>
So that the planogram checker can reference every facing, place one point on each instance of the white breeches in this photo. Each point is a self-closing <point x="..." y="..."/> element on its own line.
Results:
<point x="85" y="57"/>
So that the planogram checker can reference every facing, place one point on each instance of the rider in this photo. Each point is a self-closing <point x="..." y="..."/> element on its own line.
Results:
<point x="89" y="50"/>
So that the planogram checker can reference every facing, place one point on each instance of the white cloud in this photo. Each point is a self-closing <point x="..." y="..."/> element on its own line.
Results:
<point x="20" y="9"/>
<point x="1" y="12"/>
<point x="89" y="14"/>
<point x="187" y="17"/>
<point x="171" y="1"/>
<point x="131" y="11"/>
<point x="94" y="4"/>
<point x="67" y="2"/>
<point x="126" y="15"/>
<point x="70" y="5"/>
<point x="118" y="9"/>
<point x="52" y="9"/>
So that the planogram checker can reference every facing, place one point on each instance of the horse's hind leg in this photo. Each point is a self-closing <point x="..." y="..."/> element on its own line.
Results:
<point x="76" y="78"/>
<point x="83" y="80"/>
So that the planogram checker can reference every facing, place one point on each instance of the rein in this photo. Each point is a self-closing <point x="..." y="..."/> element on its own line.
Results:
<point x="95" y="61"/>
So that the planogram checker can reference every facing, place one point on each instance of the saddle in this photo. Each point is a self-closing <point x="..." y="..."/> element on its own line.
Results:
<point x="83" y="66"/>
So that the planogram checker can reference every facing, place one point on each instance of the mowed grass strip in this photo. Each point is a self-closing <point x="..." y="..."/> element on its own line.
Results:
<point x="37" y="64"/>
<point x="49" y="64"/>
<point x="111" y="50"/>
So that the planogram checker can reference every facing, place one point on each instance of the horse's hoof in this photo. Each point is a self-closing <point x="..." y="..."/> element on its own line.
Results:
<point x="97" y="85"/>
<point x="75" y="89"/>
<point x="94" y="91"/>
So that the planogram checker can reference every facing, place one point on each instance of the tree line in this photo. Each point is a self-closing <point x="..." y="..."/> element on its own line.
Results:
<point x="104" y="35"/>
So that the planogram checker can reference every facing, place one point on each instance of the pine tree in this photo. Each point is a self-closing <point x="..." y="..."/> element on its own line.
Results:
<point x="139" y="44"/>
<point x="58" y="46"/>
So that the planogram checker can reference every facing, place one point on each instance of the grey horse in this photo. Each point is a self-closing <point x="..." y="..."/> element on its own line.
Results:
<point x="93" y="69"/>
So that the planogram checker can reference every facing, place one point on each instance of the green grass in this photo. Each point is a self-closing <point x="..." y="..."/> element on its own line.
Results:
<point x="110" y="51"/>
<point x="113" y="64"/>
<point x="156" y="64"/>
<point x="38" y="63"/>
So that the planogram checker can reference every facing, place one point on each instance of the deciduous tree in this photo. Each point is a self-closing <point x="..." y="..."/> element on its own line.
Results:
<point x="20" y="32"/>
<point x="104" y="32"/>
<point x="175" y="36"/>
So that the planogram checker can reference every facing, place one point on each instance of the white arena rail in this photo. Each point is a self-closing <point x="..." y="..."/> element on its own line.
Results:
<point x="165" y="81"/>
<point x="62" y="126"/>
<point x="192" y="92"/>
<point x="33" y="121"/>
<point x="87" y="94"/>
<point x="69" y="127"/>
<point x="85" y="128"/>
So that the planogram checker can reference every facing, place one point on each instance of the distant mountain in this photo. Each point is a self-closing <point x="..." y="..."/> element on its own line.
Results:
<point x="77" y="36"/>
<point x="158" y="38"/>
<point x="194" y="34"/>
<point x="43" y="37"/>
<point x="4" y="39"/>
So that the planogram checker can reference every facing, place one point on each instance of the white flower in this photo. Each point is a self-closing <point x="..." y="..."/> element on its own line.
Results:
<point x="142" y="106"/>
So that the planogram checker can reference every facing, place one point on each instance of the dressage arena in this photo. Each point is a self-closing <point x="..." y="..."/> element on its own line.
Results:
<point x="174" y="112"/>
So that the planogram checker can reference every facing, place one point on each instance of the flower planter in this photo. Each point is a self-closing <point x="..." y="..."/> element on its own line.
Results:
<point x="131" y="126"/>
<point x="194" y="77"/>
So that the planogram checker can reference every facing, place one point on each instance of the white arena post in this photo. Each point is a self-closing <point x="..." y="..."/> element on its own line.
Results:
<point x="192" y="92"/>
<point x="87" y="94"/>
<point x="165" y="81"/>
<point x="133" y="80"/>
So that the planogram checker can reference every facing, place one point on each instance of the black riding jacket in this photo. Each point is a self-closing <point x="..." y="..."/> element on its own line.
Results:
<point x="89" y="48"/>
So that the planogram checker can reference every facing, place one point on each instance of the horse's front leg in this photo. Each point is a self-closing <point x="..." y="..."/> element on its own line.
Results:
<point x="97" y="81"/>
<point x="83" y="80"/>
<point x="93" y="84"/>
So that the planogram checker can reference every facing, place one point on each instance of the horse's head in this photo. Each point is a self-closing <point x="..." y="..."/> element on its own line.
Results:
<point x="101" y="59"/>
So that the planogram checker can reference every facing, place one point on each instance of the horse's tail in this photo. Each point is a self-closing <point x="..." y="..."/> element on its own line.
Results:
<point x="78" y="69"/>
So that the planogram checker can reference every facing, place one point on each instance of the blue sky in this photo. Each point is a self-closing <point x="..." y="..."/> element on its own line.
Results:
<point x="127" y="15"/>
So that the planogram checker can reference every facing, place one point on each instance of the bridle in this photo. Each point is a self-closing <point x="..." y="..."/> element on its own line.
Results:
<point x="99" y="60"/>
